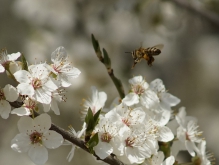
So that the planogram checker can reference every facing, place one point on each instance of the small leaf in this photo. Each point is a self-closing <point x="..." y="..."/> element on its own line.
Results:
<point x="107" y="60"/>
<point x="94" y="140"/>
<point x="96" y="117"/>
<point x="96" y="47"/>
<point x="24" y="62"/>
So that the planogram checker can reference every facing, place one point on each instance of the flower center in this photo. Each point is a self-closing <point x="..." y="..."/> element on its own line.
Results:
<point x="129" y="142"/>
<point x="2" y="95"/>
<point x="126" y="122"/>
<point x="106" y="137"/>
<point x="36" y="137"/>
<point x="36" y="83"/>
<point x="138" y="89"/>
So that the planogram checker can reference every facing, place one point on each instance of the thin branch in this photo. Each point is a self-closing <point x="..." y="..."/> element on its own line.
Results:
<point x="104" y="59"/>
<point x="80" y="143"/>
<point x="201" y="11"/>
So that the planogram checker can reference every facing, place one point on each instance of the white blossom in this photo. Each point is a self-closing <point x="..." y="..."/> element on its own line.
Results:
<point x="108" y="139"/>
<point x="5" y="58"/>
<point x="166" y="99"/>
<point x="95" y="103"/>
<point x="158" y="159"/>
<point x="36" y="83"/>
<point x="7" y="94"/>
<point x="26" y="109"/>
<point x="62" y="68"/>
<point x="35" y="137"/>
<point x="140" y="92"/>
<point x="187" y="133"/>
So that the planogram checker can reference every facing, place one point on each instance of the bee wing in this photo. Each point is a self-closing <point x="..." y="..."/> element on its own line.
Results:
<point x="159" y="46"/>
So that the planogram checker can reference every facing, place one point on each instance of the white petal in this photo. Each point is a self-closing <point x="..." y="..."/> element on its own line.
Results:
<point x="5" y="109"/>
<point x="136" y="80"/>
<point x="50" y="86"/>
<point x="103" y="149"/>
<point x="38" y="154"/>
<point x="157" y="85"/>
<point x="42" y="123"/>
<point x="25" y="89"/>
<point x="10" y="92"/>
<point x="21" y="143"/>
<point x="165" y="134"/>
<point x="54" y="107"/>
<point x="73" y="73"/>
<point x="169" y="161"/>
<point x="43" y="96"/>
<point x="102" y="98"/>
<point x="52" y="139"/>
<point x="25" y="125"/>
<point x="46" y="107"/>
<point x="22" y="76"/>
<point x="13" y="56"/>
<point x="22" y="111"/>
<point x="2" y="69"/>
<point x="64" y="80"/>
<point x="190" y="147"/>
<point x="169" y="99"/>
<point x="149" y="99"/>
<point x="71" y="153"/>
<point x="131" y="99"/>
<point x="59" y="54"/>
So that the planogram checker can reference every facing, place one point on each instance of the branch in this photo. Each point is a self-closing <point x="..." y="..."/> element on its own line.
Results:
<point x="207" y="14"/>
<point x="73" y="139"/>
<point x="80" y="143"/>
<point x="107" y="62"/>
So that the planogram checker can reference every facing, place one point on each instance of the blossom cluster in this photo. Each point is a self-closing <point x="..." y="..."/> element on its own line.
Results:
<point x="37" y="84"/>
<point x="135" y="127"/>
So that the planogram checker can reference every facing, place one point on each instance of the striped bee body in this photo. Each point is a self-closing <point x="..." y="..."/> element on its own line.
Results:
<point x="146" y="53"/>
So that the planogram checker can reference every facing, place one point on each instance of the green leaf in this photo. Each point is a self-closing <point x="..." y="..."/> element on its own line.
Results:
<point x="24" y="62"/>
<point x="91" y="121"/>
<point x="107" y="60"/>
<point x="93" y="142"/>
<point x="96" y="47"/>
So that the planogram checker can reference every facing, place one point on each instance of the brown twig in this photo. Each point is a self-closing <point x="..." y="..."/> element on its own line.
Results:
<point x="201" y="11"/>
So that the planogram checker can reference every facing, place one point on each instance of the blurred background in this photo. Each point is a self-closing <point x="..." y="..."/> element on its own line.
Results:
<point x="188" y="64"/>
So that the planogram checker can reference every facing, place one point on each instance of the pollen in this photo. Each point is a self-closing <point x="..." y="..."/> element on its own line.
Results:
<point x="36" y="137"/>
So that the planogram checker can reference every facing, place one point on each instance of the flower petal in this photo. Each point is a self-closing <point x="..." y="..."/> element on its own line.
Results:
<point x="13" y="56"/>
<point x="22" y="76"/>
<point x="38" y="154"/>
<point x="42" y="96"/>
<point x="22" y="111"/>
<point x="52" y="139"/>
<point x="103" y="149"/>
<point x="42" y="123"/>
<point x="25" y="89"/>
<point x="5" y="109"/>
<point x="2" y="69"/>
<point x="165" y="134"/>
<point x="21" y="143"/>
<point x="131" y="99"/>
<point x="54" y="107"/>
<point x="10" y="93"/>
<point x="25" y="125"/>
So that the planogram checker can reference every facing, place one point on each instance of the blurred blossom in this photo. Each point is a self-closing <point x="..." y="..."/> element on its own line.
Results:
<point x="58" y="15"/>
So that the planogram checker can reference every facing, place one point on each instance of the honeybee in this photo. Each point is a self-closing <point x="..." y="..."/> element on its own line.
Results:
<point x="147" y="54"/>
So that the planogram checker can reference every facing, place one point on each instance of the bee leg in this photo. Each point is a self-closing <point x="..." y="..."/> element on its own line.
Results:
<point x="134" y="65"/>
